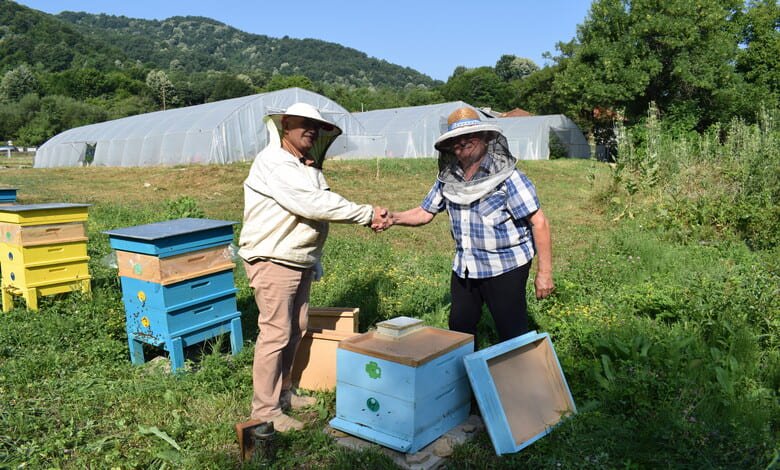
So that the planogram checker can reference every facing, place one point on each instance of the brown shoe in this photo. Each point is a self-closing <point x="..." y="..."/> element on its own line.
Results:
<point x="295" y="402"/>
<point x="284" y="423"/>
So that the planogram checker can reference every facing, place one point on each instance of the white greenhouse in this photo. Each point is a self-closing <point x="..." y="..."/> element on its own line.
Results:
<point x="233" y="131"/>
<point x="222" y="132"/>
<point x="411" y="132"/>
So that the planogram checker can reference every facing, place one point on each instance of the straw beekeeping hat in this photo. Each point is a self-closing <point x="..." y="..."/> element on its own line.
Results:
<point x="462" y="121"/>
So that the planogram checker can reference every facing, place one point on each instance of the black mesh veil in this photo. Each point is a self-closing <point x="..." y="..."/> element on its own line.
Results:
<point x="502" y="165"/>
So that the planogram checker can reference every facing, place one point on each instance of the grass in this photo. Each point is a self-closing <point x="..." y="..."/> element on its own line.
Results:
<point x="670" y="349"/>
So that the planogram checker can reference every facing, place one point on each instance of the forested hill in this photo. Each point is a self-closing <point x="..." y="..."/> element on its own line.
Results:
<point x="31" y="37"/>
<point x="197" y="44"/>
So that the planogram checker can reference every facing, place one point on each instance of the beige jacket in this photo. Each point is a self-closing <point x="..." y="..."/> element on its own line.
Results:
<point x="287" y="207"/>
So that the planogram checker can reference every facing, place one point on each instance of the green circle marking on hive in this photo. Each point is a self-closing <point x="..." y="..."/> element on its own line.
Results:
<point x="373" y="370"/>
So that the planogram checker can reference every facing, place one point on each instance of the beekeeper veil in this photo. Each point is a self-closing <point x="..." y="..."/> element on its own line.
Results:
<point x="461" y="122"/>
<point x="328" y="131"/>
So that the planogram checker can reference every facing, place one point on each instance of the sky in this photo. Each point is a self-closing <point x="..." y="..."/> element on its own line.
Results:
<point x="431" y="36"/>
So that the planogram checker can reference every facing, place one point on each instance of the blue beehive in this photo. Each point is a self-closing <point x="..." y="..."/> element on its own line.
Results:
<point x="196" y="305"/>
<point x="7" y="196"/>
<point x="402" y="392"/>
<point x="521" y="390"/>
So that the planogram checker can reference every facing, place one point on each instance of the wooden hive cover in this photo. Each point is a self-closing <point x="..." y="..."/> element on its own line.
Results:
<point x="38" y="214"/>
<point x="521" y="390"/>
<point x="416" y="348"/>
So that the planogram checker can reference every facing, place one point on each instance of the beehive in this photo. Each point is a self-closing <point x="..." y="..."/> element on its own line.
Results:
<point x="7" y="196"/>
<point x="315" y="363"/>
<point x="402" y="392"/>
<point x="334" y="318"/>
<point x="43" y="251"/>
<point x="177" y="285"/>
<point x="521" y="390"/>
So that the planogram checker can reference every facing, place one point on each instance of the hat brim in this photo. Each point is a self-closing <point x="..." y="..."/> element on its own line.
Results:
<point x="326" y="126"/>
<point x="440" y="142"/>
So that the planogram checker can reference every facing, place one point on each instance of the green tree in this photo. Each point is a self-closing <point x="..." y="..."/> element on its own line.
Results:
<point x="679" y="54"/>
<point x="17" y="83"/>
<point x="161" y="87"/>
<point x="510" y="67"/>
<point x="230" y="86"/>
<point x="759" y="60"/>
<point x="280" y="82"/>
<point x="479" y="87"/>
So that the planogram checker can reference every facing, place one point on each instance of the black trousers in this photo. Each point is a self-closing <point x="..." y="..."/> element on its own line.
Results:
<point x="504" y="295"/>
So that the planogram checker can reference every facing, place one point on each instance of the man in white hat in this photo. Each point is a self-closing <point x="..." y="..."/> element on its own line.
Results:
<point x="287" y="208"/>
<point x="496" y="221"/>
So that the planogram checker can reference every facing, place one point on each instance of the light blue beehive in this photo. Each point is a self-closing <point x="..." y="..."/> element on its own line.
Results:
<point x="174" y="316"/>
<point x="400" y="390"/>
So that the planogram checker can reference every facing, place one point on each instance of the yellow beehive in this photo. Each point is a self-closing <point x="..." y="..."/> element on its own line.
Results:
<point x="43" y="251"/>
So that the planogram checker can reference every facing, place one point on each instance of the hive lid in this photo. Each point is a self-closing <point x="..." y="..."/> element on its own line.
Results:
<point x="521" y="390"/>
<point x="416" y="348"/>
<point x="42" y="207"/>
<point x="47" y="213"/>
<point x="168" y="228"/>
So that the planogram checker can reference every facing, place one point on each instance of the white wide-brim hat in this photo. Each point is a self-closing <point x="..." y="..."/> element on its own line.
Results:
<point x="462" y="121"/>
<point x="307" y="111"/>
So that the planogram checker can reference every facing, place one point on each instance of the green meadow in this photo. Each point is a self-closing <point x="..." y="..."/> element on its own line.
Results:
<point x="666" y="318"/>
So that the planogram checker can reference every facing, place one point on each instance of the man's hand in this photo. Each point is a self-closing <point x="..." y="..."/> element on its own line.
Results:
<point x="381" y="220"/>
<point x="543" y="284"/>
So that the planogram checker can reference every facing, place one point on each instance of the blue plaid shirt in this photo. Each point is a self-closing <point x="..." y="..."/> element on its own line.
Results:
<point x="492" y="235"/>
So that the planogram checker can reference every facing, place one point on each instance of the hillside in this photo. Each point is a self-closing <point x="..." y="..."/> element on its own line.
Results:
<point x="184" y="43"/>
<point x="41" y="40"/>
<point x="196" y="44"/>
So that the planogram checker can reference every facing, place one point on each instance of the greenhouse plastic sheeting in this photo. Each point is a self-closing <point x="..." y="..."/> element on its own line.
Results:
<point x="221" y="132"/>
<point x="411" y="132"/>
<point x="233" y="130"/>
<point x="408" y="132"/>
<point x="529" y="137"/>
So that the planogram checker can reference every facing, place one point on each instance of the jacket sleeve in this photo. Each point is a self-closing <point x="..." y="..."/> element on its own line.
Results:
<point x="296" y="192"/>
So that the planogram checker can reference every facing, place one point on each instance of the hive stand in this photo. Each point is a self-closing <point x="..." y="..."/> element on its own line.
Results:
<point x="43" y="251"/>
<point x="404" y="391"/>
<point x="177" y="285"/>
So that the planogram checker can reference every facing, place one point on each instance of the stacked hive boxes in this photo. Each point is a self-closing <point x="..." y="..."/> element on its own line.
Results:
<point x="7" y="196"/>
<point x="44" y="251"/>
<point x="403" y="388"/>
<point x="177" y="285"/>
<point x="315" y="362"/>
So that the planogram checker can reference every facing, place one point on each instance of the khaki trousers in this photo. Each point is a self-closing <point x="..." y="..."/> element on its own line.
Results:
<point x="282" y="296"/>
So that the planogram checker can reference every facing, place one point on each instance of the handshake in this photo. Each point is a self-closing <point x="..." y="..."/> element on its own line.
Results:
<point x="382" y="220"/>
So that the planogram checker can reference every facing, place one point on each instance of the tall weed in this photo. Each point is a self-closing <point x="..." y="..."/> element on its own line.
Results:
<point x="719" y="185"/>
